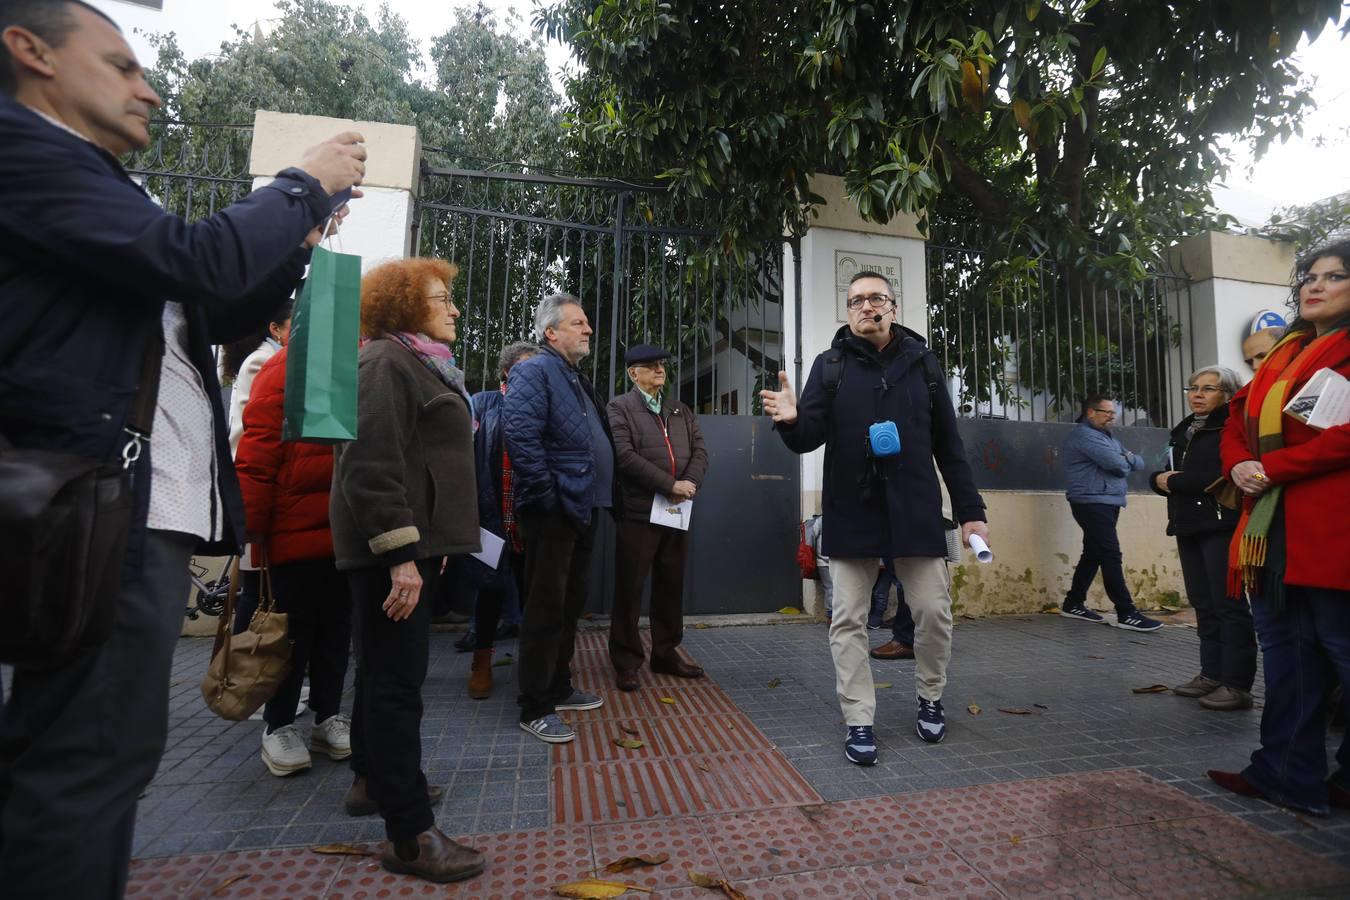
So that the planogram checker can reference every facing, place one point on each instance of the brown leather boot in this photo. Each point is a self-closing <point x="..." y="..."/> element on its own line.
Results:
<point x="480" y="675"/>
<point x="433" y="856"/>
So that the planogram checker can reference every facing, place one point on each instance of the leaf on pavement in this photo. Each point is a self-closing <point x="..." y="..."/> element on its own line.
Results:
<point x="342" y="850"/>
<point x="669" y="701"/>
<point x="717" y="884"/>
<point x="974" y="710"/>
<point x="701" y="766"/>
<point x="504" y="661"/>
<point x="636" y="862"/>
<point x="595" y="889"/>
<point x="914" y="879"/>
<point x="1018" y="711"/>
<point x="1040" y="706"/>
<point x="221" y="888"/>
<point x="1050" y="609"/>
<point x="626" y="730"/>
<point x="629" y="743"/>
<point x="790" y="611"/>
<point x="775" y="683"/>
<point x="1153" y="689"/>
<point x="882" y="685"/>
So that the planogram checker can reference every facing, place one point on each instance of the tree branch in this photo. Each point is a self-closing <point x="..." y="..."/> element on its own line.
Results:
<point x="993" y="207"/>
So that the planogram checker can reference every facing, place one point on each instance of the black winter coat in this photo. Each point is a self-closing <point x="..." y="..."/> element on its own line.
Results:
<point x="87" y="261"/>
<point x="903" y="517"/>
<point x="1189" y="509"/>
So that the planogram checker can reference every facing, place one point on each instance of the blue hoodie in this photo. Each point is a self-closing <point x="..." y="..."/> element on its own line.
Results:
<point x="1097" y="465"/>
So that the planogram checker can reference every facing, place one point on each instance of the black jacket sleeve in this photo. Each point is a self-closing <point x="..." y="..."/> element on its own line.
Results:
<point x="950" y="453"/>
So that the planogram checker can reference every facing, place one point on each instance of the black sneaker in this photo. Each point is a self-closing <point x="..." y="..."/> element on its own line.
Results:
<point x="859" y="746"/>
<point x="1137" y="621"/>
<point x="1080" y="612"/>
<point x="931" y="725"/>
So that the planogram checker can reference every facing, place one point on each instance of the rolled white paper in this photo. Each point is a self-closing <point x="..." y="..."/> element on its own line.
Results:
<point x="980" y="549"/>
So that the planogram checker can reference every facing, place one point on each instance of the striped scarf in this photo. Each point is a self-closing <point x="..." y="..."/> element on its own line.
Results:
<point x="1254" y="562"/>
<point x="439" y="360"/>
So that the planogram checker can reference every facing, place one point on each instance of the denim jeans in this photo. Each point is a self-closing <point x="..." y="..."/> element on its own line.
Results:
<point x="1101" y="550"/>
<point x="1305" y="647"/>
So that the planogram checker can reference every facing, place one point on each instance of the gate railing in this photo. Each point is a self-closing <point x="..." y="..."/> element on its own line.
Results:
<point x="193" y="169"/>
<point x="632" y="257"/>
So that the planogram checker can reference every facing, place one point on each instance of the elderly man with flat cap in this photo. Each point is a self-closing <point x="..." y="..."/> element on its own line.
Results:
<point x="659" y="450"/>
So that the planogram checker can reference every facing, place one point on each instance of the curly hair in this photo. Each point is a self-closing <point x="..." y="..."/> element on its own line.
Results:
<point x="391" y="294"/>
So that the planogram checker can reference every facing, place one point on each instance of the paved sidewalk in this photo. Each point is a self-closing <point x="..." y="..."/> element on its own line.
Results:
<point x="1097" y="791"/>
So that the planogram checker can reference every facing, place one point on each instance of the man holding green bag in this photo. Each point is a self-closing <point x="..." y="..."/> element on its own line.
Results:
<point x="108" y="309"/>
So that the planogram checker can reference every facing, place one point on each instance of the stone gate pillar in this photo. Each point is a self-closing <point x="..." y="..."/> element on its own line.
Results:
<point x="380" y="225"/>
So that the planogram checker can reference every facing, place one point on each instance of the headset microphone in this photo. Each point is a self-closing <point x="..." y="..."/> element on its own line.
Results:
<point x="877" y="318"/>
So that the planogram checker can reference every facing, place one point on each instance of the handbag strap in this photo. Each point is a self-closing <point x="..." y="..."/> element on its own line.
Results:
<point x="225" y="627"/>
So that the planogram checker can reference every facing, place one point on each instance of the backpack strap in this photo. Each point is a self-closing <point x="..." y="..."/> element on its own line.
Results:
<point x="831" y="373"/>
<point x="933" y="375"/>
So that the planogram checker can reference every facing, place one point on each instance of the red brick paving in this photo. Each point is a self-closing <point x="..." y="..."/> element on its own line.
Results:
<point x="708" y="789"/>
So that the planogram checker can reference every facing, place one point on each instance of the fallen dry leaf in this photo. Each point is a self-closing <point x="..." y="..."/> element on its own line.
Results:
<point x="636" y="862"/>
<point x="220" y="888"/>
<point x="1015" y="838"/>
<point x="667" y="700"/>
<point x="699" y="625"/>
<point x="974" y="710"/>
<point x="1140" y="643"/>
<point x="775" y="683"/>
<point x="881" y="685"/>
<point x="629" y="743"/>
<point x="1018" y="711"/>
<point x="626" y="730"/>
<point x="595" y="889"/>
<point x="1152" y="689"/>
<point x="1040" y="706"/>
<point x="790" y="611"/>
<point x="342" y="850"/>
<point x="702" y="767"/>
<point x="504" y="661"/>
<point x="914" y="879"/>
<point x="969" y="616"/>
<point x="716" y="884"/>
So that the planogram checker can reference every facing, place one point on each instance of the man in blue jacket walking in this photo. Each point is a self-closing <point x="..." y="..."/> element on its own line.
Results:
<point x="1098" y="467"/>
<point x="102" y="293"/>
<point x="562" y="463"/>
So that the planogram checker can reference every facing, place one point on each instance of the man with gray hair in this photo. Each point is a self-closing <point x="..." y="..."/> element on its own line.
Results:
<point x="562" y="462"/>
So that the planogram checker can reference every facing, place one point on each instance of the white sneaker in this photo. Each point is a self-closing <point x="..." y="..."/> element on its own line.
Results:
<point x="284" y="751"/>
<point x="333" y="736"/>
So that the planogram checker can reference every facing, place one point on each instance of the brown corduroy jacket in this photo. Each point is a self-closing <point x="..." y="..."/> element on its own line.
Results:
<point x="643" y="458"/>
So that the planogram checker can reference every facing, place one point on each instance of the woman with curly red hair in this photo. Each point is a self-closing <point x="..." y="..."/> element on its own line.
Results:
<point x="404" y="499"/>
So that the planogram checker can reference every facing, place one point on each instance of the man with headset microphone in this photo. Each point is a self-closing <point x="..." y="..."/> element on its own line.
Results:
<point x="878" y="401"/>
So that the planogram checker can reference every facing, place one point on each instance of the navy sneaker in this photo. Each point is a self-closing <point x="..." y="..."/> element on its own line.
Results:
<point x="860" y="747"/>
<point x="931" y="725"/>
<point x="1137" y="621"/>
<point x="1080" y="612"/>
<point x="580" y="700"/>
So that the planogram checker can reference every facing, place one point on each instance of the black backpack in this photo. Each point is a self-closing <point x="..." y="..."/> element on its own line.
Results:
<point x="832" y="372"/>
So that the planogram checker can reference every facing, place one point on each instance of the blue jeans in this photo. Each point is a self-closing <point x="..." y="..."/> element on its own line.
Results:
<point x="1305" y="648"/>
<point x="902" y="627"/>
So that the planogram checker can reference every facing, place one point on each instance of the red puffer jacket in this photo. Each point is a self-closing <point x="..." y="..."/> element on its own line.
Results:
<point x="285" y="484"/>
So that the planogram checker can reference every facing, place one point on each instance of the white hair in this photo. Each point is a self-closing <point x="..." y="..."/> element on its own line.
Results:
<point x="1229" y="382"/>
<point x="548" y="314"/>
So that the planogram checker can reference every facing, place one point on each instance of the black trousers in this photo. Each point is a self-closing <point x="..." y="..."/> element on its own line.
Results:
<point x="79" y="744"/>
<point x="641" y="549"/>
<point x="313" y="595"/>
<point x="1224" y="624"/>
<point x="391" y="665"/>
<point x="1101" y="549"/>
<point x="557" y="583"/>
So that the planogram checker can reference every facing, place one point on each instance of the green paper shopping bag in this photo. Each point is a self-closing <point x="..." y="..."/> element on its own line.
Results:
<point x="321" y="355"/>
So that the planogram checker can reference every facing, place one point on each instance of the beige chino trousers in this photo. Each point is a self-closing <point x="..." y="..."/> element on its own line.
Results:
<point x="927" y="586"/>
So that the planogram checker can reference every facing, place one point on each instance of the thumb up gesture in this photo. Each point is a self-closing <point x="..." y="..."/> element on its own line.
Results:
<point x="781" y="404"/>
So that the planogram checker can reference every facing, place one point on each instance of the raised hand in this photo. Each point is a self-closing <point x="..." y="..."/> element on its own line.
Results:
<point x="338" y="163"/>
<point x="781" y="404"/>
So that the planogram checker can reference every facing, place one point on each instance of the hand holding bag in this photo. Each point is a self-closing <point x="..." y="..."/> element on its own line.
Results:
<point x="247" y="668"/>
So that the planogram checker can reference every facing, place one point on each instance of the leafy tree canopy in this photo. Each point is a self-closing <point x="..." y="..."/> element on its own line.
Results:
<point x="1082" y="129"/>
<point x="485" y="95"/>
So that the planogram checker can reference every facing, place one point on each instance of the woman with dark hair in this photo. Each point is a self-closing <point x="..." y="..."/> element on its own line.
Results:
<point x="497" y="591"/>
<point x="1204" y="528"/>
<point x="1288" y="552"/>
<point x="403" y="501"/>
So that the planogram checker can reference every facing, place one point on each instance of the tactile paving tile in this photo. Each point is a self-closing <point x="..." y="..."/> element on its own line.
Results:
<point x="861" y="832"/>
<point x="1273" y="863"/>
<point x="167" y="877"/>
<point x="648" y="788"/>
<point x="666" y="736"/>
<point x="1042" y="867"/>
<point x="828" y="883"/>
<point x="519" y="864"/>
<point x="1059" y="805"/>
<point x="682" y="838"/>
<point x="1138" y="795"/>
<point x="966" y="817"/>
<point x="700" y="699"/>
<point x="291" y="873"/>
<point x="763" y="844"/>
<point x="1149" y="860"/>
<point x="939" y="875"/>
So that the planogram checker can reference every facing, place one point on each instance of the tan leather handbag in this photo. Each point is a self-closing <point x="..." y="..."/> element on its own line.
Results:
<point x="247" y="668"/>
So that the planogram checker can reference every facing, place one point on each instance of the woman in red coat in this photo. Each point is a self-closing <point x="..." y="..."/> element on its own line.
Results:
<point x="285" y="487"/>
<point x="1289" y="550"/>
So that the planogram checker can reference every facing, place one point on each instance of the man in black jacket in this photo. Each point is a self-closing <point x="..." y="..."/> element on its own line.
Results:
<point x="881" y="504"/>
<point x="93" y="277"/>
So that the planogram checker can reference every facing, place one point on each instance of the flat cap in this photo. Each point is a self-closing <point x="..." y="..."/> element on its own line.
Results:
<point x="644" y="353"/>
